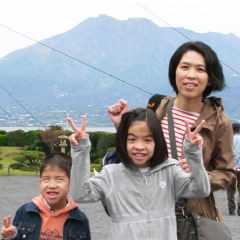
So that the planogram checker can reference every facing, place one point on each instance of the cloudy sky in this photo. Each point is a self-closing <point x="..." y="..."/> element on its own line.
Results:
<point x="40" y="19"/>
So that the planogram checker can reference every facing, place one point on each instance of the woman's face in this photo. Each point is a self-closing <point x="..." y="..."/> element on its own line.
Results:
<point x="191" y="75"/>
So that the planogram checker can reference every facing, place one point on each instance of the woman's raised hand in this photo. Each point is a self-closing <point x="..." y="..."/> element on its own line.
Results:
<point x="115" y="111"/>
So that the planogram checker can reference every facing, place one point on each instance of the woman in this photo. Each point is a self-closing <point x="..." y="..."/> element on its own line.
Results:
<point x="194" y="73"/>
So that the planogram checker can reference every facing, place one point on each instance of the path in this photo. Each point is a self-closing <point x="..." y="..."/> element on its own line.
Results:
<point x="16" y="190"/>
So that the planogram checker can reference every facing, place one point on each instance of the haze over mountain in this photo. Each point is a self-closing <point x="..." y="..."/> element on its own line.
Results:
<point x="102" y="59"/>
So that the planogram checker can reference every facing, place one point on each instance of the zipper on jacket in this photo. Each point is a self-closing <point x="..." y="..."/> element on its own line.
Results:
<point x="145" y="180"/>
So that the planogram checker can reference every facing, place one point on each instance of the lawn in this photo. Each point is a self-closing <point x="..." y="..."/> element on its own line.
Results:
<point x="7" y="154"/>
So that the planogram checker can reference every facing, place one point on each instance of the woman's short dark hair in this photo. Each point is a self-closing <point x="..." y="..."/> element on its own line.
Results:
<point x="148" y="116"/>
<point x="57" y="159"/>
<point x="213" y="66"/>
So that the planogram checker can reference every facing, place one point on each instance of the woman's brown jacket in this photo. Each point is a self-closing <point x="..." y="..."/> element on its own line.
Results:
<point x="217" y="153"/>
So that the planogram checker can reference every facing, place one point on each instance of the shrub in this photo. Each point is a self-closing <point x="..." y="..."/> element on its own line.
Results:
<point x="3" y="140"/>
<point x="97" y="161"/>
<point x="18" y="166"/>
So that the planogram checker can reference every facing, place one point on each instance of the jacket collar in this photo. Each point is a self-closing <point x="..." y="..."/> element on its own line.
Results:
<point x="212" y="110"/>
<point x="74" y="214"/>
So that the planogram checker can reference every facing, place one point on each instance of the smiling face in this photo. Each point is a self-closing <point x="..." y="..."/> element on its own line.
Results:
<point x="191" y="76"/>
<point x="140" y="144"/>
<point x="54" y="186"/>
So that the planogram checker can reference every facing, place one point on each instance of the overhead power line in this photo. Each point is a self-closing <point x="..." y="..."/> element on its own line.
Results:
<point x="91" y="66"/>
<point x="73" y="58"/>
<point x="5" y="90"/>
<point x="175" y="29"/>
<point x="8" y="114"/>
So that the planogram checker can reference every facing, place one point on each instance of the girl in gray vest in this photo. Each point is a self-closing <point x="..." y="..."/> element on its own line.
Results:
<point x="140" y="192"/>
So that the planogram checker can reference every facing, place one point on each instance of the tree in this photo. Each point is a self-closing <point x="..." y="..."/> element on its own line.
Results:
<point x="34" y="141"/>
<point x="105" y="141"/>
<point x="17" y="166"/>
<point x="3" y="140"/>
<point x="3" y="132"/>
<point x="50" y="136"/>
<point x="17" y="138"/>
<point x="30" y="158"/>
<point x="100" y="142"/>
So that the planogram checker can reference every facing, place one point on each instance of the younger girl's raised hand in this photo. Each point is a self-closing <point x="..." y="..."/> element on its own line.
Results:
<point x="78" y="132"/>
<point x="194" y="136"/>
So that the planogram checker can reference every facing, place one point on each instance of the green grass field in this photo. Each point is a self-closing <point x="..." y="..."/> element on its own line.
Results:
<point x="7" y="154"/>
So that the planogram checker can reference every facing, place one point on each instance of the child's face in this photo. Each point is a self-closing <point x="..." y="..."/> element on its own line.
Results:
<point x="140" y="144"/>
<point x="54" y="186"/>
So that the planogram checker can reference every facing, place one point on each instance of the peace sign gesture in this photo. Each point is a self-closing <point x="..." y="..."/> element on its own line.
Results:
<point x="78" y="132"/>
<point x="194" y="136"/>
<point x="8" y="230"/>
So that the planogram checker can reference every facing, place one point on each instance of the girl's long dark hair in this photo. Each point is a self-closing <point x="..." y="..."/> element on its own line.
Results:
<point x="148" y="116"/>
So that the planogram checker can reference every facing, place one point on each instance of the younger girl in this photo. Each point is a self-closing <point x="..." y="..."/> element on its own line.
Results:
<point x="140" y="192"/>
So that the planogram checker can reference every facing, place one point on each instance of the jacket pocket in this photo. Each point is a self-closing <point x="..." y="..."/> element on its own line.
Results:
<point x="25" y="231"/>
<point x="77" y="234"/>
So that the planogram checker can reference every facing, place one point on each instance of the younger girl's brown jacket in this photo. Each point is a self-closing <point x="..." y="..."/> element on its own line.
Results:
<point x="217" y="153"/>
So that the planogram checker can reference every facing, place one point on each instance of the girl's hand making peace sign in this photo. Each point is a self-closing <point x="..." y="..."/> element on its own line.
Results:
<point x="78" y="132"/>
<point x="194" y="136"/>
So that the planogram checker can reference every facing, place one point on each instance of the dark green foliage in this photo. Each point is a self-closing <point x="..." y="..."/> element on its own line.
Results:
<point x="32" y="141"/>
<point x="30" y="158"/>
<point x="1" y="166"/>
<point x="111" y="149"/>
<point x="101" y="141"/>
<point x="97" y="161"/>
<point x="17" y="138"/>
<point x="107" y="140"/>
<point x="94" y="139"/>
<point x="3" y="140"/>
<point x="18" y="166"/>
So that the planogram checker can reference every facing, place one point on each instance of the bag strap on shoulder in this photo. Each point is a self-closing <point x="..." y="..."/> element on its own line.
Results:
<point x="171" y="128"/>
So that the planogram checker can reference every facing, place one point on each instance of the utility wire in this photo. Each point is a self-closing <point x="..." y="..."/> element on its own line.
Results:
<point x="163" y="21"/>
<point x="5" y="90"/>
<point x="181" y="33"/>
<point x="104" y="72"/>
<point x="97" y="69"/>
<point x="73" y="58"/>
<point x="13" y="118"/>
<point x="65" y="54"/>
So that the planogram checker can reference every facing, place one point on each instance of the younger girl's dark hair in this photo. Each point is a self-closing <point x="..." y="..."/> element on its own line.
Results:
<point x="57" y="159"/>
<point x="148" y="116"/>
<point x="213" y="66"/>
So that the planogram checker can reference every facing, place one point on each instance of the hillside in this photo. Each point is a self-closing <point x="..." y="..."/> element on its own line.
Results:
<point x="102" y="59"/>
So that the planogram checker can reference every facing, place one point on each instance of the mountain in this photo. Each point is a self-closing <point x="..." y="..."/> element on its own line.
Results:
<point x="101" y="60"/>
